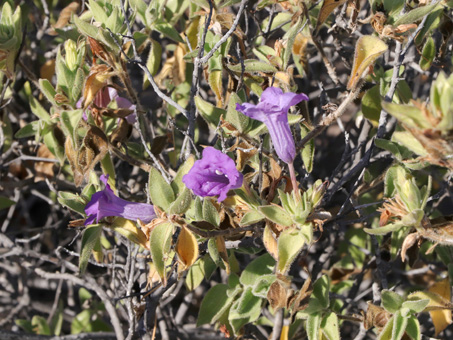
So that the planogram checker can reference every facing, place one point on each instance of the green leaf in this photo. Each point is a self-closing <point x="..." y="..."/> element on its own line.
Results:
<point x="5" y="202"/>
<point x="168" y="30"/>
<point x="386" y="333"/>
<point x="245" y="310"/>
<point x="330" y="326"/>
<point x="384" y="230"/>
<point x="432" y="21"/>
<point x="209" y="112"/>
<point x="289" y="245"/>
<point x="389" y="182"/>
<point x="251" y="217"/>
<point x="407" y="114"/>
<point x="321" y="289"/>
<point x="97" y="33"/>
<point x="410" y="142"/>
<point x="371" y="104"/>
<point x="38" y="110"/>
<point x="72" y="201"/>
<point x="98" y="12"/>
<point x="201" y="269"/>
<point x="240" y="121"/>
<point x="47" y="89"/>
<point x="25" y="325"/>
<point x="81" y="322"/>
<point x="210" y="213"/>
<point x="29" y="130"/>
<point x="182" y="203"/>
<point x="252" y="65"/>
<point x="214" y="253"/>
<point x="413" y="328"/>
<point x="57" y="321"/>
<point x="399" y="326"/>
<point x="153" y="62"/>
<point x="256" y="269"/>
<point x="417" y="306"/>
<point x="262" y="286"/>
<point x="428" y="54"/>
<point x="290" y="36"/>
<point x="77" y="86"/>
<point x="69" y="123"/>
<point x="40" y="325"/>
<point x="308" y="152"/>
<point x="313" y="326"/>
<point x="91" y="235"/>
<point x="400" y="152"/>
<point x="391" y="301"/>
<point x="177" y="184"/>
<point x="276" y="214"/>
<point x="416" y="14"/>
<point x="215" y="302"/>
<point x="160" y="244"/>
<point x="160" y="191"/>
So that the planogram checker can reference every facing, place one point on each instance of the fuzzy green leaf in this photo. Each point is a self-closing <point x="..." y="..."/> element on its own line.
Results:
<point x="90" y="237"/>
<point x="160" y="191"/>
<point x="289" y="245"/>
<point x="215" y="302"/>
<point x="160" y="243"/>
<point x="276" y="214"/>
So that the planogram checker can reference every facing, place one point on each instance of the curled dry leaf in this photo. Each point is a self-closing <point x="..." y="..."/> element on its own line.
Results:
<point x="93" y="149"/>
<point x="376" y="317"/>
<point x="44" y="169"/>
<point x="96" y="80"/>
<point x="277" y="295"/>
<point x="328" y="7"/>
<point x="64" y="17"/>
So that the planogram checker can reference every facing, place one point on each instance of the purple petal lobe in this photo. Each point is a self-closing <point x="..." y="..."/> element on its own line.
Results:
<point x="214" y="174"/>
<point x="105" y="203"/>
<point x="272" y="110"/>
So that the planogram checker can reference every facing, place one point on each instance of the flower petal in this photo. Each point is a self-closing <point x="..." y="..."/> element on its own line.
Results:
<point x="214" y="174"/>
<point x="282" y="138"/>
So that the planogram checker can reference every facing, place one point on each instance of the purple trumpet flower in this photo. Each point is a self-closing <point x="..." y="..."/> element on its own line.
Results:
<point x="105" y="203"/>
<point x="272" y="110"/>
<point x="214" y="174"/>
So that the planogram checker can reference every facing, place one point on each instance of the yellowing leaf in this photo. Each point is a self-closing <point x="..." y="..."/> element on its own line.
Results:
<point x="129" y="229"/>
<point x="270" y="242"/>
<point x="215" y="81"/>
<point x="367" y="50"/>
<point x="441" y="318"/>
<point x="327" y="7"/>
<point x="187" y="248"/>
<point x="284" y="333"/>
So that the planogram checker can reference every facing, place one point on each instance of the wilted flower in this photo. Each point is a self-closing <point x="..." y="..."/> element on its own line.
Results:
<point x="214" y="174"/>
<point x="105" y="203"/>
<point x="105" y="96"/>
<point x="272" y="110"/>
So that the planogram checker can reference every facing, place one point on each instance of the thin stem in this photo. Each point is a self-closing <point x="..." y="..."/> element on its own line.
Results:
<point x="292" y="174"/>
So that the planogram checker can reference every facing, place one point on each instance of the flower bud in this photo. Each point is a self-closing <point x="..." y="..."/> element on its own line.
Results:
<point x="71" y="54"/>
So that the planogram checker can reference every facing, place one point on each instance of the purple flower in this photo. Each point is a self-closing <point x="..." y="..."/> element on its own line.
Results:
<point x="105" y="203"/>
<point x="272" y="110"/>
<point x="214" y="174"/>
